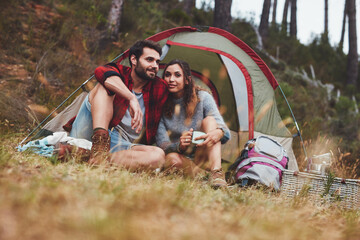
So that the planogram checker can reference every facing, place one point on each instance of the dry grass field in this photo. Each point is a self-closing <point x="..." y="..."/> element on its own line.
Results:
<point x="40" y="199"/>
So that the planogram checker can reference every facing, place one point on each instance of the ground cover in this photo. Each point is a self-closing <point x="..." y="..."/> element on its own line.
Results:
<point x="43" y="199"/>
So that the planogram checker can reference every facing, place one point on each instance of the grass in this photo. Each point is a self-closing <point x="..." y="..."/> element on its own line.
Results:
<point x="44" y="200"/>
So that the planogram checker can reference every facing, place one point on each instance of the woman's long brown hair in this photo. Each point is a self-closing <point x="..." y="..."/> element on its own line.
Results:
<point x="191" y="98"/>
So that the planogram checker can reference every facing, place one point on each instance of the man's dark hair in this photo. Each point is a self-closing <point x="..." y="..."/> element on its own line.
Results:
<point x="137" y="48"/>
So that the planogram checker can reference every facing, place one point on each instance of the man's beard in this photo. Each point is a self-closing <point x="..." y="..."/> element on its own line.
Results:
<point x="141" y="72"/>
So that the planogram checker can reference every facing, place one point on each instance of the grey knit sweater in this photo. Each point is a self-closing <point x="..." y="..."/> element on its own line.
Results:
<point x="170" y="129"/>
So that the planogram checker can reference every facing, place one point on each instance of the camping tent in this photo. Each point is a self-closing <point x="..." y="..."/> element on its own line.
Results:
<point x="241" y="83"/>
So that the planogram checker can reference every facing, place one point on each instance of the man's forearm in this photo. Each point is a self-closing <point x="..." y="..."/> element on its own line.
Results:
<point x="116" y="85"/>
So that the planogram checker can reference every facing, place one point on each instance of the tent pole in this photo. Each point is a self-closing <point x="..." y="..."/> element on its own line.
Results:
<point x="63" y="102"/>
<point x="297" y="127"/>
<point x="60" y="105"/>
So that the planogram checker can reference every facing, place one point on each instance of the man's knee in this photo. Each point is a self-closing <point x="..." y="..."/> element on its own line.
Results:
<point x="99" y="93"/>
<point x="156" y="156"/>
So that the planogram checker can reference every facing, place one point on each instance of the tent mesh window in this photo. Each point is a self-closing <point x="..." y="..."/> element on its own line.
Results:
<point x="345" y="192"/>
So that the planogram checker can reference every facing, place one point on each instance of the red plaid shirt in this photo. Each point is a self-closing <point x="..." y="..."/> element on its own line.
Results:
<point x="155" y="93"/>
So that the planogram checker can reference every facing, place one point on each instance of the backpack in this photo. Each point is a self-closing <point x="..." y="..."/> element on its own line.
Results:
<point x="261" y="161"/>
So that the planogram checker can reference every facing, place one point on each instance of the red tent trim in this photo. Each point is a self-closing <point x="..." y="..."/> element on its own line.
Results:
<point x="261" y="64"/>
<point x="162" y="35"/>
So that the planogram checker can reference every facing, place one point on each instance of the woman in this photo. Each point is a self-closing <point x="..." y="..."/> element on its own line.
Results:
<point x="189" y="108"/>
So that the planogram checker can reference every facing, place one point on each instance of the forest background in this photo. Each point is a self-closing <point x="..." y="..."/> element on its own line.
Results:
<point x="48" y="48"/>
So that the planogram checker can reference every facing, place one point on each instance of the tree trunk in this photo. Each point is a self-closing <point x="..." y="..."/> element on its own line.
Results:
<point x="188" y="6"/>
<point x="114" y="17"/>
<point x="326" y="21"/>
<point x="341" y="43"/>
<point x="284" y="23"/>
<point x="352" y="63"/>
<point x="264" y="22"/>
<point x="273" y="21"/>
<point x="222" y="14"/>
<point x="293" y="24"/>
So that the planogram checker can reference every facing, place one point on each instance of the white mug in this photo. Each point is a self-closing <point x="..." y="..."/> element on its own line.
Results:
<point x="195" y="135"/>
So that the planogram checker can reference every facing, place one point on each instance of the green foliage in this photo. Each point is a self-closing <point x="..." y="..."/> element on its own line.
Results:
<point x="287" y="89"/>
<point x="328" y="194"/>
<point x="89" y="12"/>
<point x="143" y="18"/>
<point x="330" y="178"/>
<point x="245" y="32"/>
<point x="329" y="65"/>
<point x="178" y="16"/>
<point x="346" y="121"/>
<point x="344" y="106"/>
<point x="282" y="106"/>
<point x="203" y="16"/>
<point x="290" y="50"/>
<point x="95" y="15"/>
<point x="350" y="90"/>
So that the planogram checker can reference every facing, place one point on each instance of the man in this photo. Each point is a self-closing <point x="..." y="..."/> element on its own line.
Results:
<point x="124" y="109"/>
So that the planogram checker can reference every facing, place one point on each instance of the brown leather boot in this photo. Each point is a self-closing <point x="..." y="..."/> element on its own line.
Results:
<point x="100" y="146"/>
<point x="217" y="179"/>
<point x="66" y="151"/>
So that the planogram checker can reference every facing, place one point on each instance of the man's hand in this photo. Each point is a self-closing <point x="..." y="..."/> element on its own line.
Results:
<point x="185" y="139"/>
<point x="211" y="138"/>
<point x="115" y="84"/>
<point x="136" y="114"/>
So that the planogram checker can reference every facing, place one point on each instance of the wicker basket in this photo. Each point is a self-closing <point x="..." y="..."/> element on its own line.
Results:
<point x="344" y="191"/>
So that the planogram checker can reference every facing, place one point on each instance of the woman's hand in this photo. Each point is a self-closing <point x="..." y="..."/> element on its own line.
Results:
<point x="185" y="139"/>
<point x="211" y="138"/>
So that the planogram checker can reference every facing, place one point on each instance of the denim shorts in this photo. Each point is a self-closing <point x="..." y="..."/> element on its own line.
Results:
<point x="83" y="128"/>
